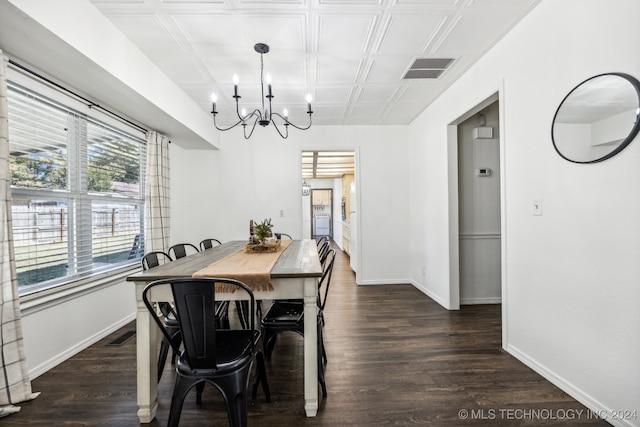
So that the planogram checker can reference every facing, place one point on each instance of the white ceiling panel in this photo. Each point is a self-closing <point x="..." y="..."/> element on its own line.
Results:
<point x="350" y="55"/>
<point x="360" y="111"/>
<point x="253" y="3"/>
<point x="351" y="2"/>
<point x="418" y="92"/>
<point x="409" y="34"/>
<point x="280" y="32"/>
<point x="483" y="25"/>
<point x="334" y="94"/>
<point x="225" y="29"/>
<point x="337" y="69"/>
<point x="344" y="33"/>
<point x="377" y="94"/>
<point x="386" y="70"/>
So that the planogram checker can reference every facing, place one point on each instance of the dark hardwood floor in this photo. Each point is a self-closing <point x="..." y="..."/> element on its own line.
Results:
<point x="395" y="358"/>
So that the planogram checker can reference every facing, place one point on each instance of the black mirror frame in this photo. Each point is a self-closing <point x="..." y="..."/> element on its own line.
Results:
<point x="632" y="134"/>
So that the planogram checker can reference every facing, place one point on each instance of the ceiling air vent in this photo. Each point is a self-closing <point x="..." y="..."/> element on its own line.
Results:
<point x="427" y="68"/>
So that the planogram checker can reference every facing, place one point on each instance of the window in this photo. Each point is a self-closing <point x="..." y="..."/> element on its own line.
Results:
<point x="77" y="187"/>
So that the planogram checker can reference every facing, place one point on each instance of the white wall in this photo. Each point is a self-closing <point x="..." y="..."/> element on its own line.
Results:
<point x="570" y="277"/>
<point x="257" y="178"/>
<point x="60" y="326"/>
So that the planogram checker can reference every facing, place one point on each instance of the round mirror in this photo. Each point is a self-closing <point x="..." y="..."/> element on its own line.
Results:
<point x="597" y="119"/>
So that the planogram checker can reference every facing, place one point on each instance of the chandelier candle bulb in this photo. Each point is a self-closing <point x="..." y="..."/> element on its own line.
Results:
<point x="236" y="80"/>
<point x="269" y="84"/>
<point x="309" y="104"/>
<point x="214" y="99"/>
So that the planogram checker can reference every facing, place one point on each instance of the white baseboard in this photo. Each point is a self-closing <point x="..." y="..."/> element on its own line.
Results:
<point x="430" y="294"/>
<point x="475" y="301"/>
<point x="385" y="282"/>
<point x="36" y="371"/>
<point x="592" y="404"/>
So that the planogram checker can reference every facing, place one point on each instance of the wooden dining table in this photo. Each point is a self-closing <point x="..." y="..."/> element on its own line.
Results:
<point x="294" y="275"/>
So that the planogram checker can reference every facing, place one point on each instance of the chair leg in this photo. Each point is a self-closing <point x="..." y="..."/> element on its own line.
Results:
<point x="261" y="378"/>
<point x="234" y="390"/>
<point x="242" y="307"/>
<point x="321" y="348"/>
<point x="177" y="339"/>
<point x="179" y="393"/>
<point x="199" y="390"/>
<point x="162" y="357"/>
<point x="268" y="342"/>
<point x="322" y="357"/>
<point x="321" y="379"/>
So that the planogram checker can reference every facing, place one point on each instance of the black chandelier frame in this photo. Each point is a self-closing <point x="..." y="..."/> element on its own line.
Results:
<point x="263" y="116"/>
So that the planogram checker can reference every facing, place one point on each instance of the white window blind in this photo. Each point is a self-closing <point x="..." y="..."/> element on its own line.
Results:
<point x="78" y="191"/>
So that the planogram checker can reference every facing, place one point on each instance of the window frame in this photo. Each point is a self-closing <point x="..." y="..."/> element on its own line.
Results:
<point x="83" y="114"/>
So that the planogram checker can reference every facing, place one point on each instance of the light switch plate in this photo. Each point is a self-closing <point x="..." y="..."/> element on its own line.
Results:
<point x="537" y="206"/>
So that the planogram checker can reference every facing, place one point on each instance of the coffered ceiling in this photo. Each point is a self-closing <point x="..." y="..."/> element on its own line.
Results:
<point x="350" y="55"/>
<point x="327" y="164"/>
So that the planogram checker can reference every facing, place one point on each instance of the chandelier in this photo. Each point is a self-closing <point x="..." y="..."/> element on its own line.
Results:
<point x="263" y="116"/>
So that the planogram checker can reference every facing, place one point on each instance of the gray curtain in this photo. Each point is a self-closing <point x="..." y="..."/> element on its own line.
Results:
<point x="15" y="385"/>
<point x="157" y="216"/>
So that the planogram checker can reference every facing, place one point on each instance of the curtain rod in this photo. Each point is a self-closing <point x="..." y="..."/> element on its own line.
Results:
<point x="90" y="103"/>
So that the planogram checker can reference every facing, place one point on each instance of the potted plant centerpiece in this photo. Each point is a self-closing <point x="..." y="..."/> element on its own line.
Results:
<point x="262" y="230"/>
<point x="263" y="236"/>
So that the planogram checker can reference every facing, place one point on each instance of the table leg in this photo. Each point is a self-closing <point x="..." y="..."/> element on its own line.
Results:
<point x="310" y="347"/>
<point x="147" y="365"/>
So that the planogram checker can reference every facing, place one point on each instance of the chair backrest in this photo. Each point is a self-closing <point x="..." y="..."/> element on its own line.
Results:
<point x="208" y="244"/>
<point x="154" y="259"/>
<point x="179" y="250"/>
<point x="325" y="280"/>
<point x="323" y="251"/>
<point x="195" y="303"/>
<point x="281" y="235"/>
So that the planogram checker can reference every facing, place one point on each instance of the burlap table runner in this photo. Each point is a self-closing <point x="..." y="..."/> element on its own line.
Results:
<point x="250" y="268"/>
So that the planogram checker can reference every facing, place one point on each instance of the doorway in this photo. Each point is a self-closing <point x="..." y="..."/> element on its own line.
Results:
<point x="479" y="223"/>
<point x="328" y="170"/>
<point x="454" y="209"/>
<point x="321" y="213"/>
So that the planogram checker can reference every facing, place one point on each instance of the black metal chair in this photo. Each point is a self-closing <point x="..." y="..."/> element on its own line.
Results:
<point x="181" y="250"/>
<point x="154" y="259"/>
<point x="241" y="306"/>
<point x="209" y="243"/>
<point x="150" y="260"/>
<point x="281" y="235"/>
<point x="222" y="358"/>
<point x="323" y="249"/>
<point x="321" y="240"/>
<point x="288" y="315"/>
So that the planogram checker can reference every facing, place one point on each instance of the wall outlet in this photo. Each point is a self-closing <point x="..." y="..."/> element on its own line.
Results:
<point x="537" y="206"/>
<point x="281" y="213"/>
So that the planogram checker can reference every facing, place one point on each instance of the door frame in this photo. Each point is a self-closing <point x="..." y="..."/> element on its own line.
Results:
<point x="356" y="179"/>
<point x="452" y="182"/>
